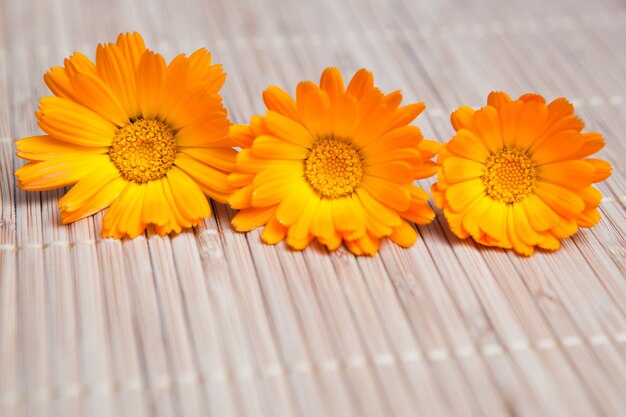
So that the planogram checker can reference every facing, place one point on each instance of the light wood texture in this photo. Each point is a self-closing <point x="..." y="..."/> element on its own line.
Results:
<point x="214" y="323"/>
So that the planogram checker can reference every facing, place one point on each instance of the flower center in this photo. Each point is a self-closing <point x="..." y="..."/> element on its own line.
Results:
<point x="509" y="176"/>
<point x="144" y="150"/>
<point x="333" y="168"/>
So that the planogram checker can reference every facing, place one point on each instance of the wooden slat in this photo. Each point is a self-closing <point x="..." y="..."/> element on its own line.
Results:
<point x="214" y="322"/>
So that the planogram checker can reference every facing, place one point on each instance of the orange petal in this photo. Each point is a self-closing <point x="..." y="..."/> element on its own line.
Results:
<point x="462" y="117"/>
<point x="486" y="124"/>
<point x="531" y="120"/>
<point x="571" y="174"/>
<point x="405" y="115"/>
<point x="279" y="101"/>
<point x="332" y="82"/>
<point x="467" y="145"/>
<point x="288" y="130"/>
<point x="119" y="74"/>
<point x="94" y="94"/>
<point x="132" y="46"/>
<point x="361" y="83"/>
<point x="387" y="192"/>
<point x="498" y="99"/>
<point x="150" y="79"/>
<point x="314" y="108"/>
<point x="602" y="169"/>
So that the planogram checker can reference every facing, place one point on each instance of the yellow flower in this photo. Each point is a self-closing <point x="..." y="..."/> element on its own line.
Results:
<point x="517" y="173"/>
<point x="336" y="164"/>
<point x="144" y="137"/>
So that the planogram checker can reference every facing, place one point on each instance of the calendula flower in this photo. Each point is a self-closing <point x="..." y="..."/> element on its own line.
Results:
<point x="145" y="138"/>
<point x="337" y="164"/>
<point x="517" y="174"/>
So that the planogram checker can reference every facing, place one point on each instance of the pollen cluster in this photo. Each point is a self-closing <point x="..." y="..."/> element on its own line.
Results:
<point x="144" y="150"/>
<point x="509" y="176"/>
<point x="333" y="168"/>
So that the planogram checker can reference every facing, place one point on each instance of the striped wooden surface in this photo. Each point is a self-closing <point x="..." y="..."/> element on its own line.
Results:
<point x="212" y="322"/>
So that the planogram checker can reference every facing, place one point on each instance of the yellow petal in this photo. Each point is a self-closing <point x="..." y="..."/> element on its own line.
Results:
<point x="471" y="220"/>
<point x="523" y="230"/>
<point x="540" y="216"/>
<point x="42" y="148"/>
<point x="273" y="232"/>
<point x="123" y="218"/>
<point x="89" y="186"/>
<point x="462" y="194"/>
<point x="300" y="230"/>
<point x="322" y="222"/>
<point x="96" y="200"/>
<point x="58" y="172"/>
<point x="187" y="195"/>
<point x="213" y="182"/>
<point x="155" y="207"/>
<point x="271" y="147"/>
<point x="494" y="221"/>
<point x="377" y="210"/>
<point x="288" y="130"/>
<point x="348" y="216"/>
<point x="460" y="169"/>
<point x="72" y="123"/>
<point x="293" y="205"/>
<point x="404" y="235"/>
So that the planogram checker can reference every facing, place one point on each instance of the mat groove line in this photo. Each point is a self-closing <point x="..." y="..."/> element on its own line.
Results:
<point x="215" y="323"/>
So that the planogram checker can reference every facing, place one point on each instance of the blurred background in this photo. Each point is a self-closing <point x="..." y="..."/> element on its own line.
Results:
<point x="218" y="324"/>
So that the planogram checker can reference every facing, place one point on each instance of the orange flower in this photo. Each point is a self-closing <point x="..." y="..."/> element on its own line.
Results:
<point x="337" y="164"/>
<point x="517" y="174"/>
<point x="146" y="138"/>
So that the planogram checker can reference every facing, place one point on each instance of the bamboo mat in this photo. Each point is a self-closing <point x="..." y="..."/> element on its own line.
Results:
<point x="213" y="323"/>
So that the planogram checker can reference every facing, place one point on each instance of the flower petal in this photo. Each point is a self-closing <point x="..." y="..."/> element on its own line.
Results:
<point x="278" y="100"/>
<point x="72" y="123"/>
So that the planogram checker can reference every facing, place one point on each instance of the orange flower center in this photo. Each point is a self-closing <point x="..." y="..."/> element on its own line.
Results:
<point x="333" y="168"/>
<point x="144" y="150"/>
<point x="509" y="176"/>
